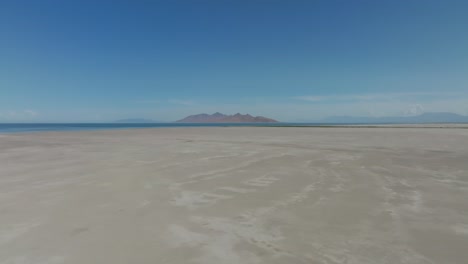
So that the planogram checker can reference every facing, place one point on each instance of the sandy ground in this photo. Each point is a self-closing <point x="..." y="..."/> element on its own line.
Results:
<point x="235" y="195"/>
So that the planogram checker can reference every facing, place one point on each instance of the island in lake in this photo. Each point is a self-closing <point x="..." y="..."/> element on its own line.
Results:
<point x="222" y="118"/>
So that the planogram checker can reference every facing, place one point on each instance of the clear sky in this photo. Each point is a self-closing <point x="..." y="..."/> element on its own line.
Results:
<point x="96" y="61"/>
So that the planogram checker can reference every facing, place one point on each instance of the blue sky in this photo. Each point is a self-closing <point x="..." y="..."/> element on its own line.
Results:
<point x="97" y="61"/>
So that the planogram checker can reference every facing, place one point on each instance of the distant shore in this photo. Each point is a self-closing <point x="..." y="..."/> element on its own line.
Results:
<point x="429" y="125"/>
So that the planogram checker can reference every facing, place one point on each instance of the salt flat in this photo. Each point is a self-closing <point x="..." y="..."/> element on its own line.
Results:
<point x="235" y="195"/>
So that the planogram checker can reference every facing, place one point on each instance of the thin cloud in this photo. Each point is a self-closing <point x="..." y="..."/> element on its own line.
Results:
<point x="362" y="97"/>
<point x="19" y="115"/>
<point x="369" y="97"/>
<point x="30" y="112"/>
<point x="414" y="109"/>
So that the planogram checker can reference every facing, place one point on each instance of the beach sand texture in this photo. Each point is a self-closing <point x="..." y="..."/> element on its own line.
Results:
<point x="235" y="195"/>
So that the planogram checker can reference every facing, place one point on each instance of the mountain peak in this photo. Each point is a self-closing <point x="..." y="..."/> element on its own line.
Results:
<point x="222" y="118"/>
<point x="218" y="114"/>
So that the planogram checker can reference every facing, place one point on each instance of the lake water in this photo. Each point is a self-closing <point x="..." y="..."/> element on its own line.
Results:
<point x="36" y="127"/>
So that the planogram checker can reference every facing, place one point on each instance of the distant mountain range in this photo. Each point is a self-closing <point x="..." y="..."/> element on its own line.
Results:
<point x="222" y="118"/>
<point x="436" y="117"/>
<point x="135" y="120"/>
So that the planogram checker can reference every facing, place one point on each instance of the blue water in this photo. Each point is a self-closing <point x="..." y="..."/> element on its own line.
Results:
<point x="15" y="128"/>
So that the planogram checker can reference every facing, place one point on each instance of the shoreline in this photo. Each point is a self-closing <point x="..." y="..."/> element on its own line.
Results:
<point x="70" y="127"/>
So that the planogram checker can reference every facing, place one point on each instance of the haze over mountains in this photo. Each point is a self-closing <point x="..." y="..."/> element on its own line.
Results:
<point x="435" y="117"/>
<point x="222" y="118"/>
